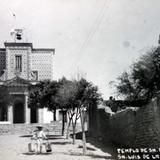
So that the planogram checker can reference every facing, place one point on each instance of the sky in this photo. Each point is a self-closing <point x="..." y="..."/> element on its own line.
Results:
<point x="98" y="39"/>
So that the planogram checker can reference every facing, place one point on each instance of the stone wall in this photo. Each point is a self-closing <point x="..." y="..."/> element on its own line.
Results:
<point x="122" y="127"/>
<point x="147" y="125"/>
<point x="129" y="128"/>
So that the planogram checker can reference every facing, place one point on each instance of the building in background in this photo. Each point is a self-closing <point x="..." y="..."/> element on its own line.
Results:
<point x="21" y="65"/>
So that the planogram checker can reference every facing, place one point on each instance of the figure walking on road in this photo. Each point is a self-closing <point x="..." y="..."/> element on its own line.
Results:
<point x="39" y="136"/>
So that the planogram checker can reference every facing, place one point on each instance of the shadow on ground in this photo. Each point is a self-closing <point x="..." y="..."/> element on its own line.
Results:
<point x="55" y="137"/>
<point x="48" y="136"/>
<point x="107" y="147"/>
<point x="33" y="153"/>
<point x="61" y="143"/>
<point x="26" y="136"/>
<point x="88" y="148"/>
<point x="89" y="155"/>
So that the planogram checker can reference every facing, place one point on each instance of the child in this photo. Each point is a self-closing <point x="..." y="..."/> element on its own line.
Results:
<point x="39" y="136"/>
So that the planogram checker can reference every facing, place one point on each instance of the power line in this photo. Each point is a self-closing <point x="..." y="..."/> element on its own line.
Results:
<point x="94" y="27"/>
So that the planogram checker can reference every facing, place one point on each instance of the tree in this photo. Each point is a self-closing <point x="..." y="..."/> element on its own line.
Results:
<point x="52" y="95"/>
<point x="36" y="93"/>
<point x="87" y="96"/>
<point x="65" y="99"/>
<point x="49" y="97"/>
<point x="72" y="97"/>
<point x="42" y="95"/>
<point x="78" y="96"/>
<point x="143" y="81"/>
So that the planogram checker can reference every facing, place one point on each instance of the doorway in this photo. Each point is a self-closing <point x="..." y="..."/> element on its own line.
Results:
<point x="18" y="112"/>
<point x="34" y="115"/>
<point x="3" y="113"/>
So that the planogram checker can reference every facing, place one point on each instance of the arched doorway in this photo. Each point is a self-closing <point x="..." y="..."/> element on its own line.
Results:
<point x="18" y="112"/>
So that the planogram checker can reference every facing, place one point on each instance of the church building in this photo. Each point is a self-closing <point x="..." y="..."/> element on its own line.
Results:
<point x="22" y="65"/>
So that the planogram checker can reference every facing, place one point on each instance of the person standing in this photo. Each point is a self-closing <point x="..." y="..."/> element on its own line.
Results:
<point x="39" y="136"/>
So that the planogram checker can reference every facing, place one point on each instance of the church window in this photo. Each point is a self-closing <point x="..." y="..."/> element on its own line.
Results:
<point x="19" y="63"/>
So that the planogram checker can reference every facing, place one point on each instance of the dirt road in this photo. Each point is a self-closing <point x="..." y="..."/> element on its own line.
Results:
<point x="15" y="147"/>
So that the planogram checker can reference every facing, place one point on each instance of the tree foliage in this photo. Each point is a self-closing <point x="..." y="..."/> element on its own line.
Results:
<point x="43" y="94"/>
<point x="87" y="94"/>
<point x="65" y="97"/>
<point x="37" y="92"/>
<point x="143" y="80"/>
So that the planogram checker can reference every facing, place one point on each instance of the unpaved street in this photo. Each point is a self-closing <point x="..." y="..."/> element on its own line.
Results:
<point x="14" y="147"/>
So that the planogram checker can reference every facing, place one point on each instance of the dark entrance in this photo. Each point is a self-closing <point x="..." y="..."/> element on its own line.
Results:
<point x="18" y="112"/>
<point x="3" y="113"/>
<point x="34" y="116"/>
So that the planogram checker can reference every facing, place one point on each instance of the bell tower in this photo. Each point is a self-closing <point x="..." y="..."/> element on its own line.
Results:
<point x="18" y="55"/>
<point x="17" y="35"/>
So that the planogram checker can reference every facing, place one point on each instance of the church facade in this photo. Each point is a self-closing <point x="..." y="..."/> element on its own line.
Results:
<point x="22" y="65"/>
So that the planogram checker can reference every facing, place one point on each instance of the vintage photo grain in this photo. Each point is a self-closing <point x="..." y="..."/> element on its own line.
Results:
<point x="80" y="79"/>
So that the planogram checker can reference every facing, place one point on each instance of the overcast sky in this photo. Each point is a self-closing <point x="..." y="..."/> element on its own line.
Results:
<point x="98" y="38"/>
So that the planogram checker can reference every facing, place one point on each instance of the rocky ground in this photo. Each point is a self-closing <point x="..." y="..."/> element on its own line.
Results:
<point x="15" y="147"/>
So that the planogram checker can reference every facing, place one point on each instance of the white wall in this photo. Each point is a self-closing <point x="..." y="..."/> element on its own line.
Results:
<point x="48" y="116"/>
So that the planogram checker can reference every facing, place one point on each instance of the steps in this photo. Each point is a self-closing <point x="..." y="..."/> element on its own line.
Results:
<point x="53" y="128"/>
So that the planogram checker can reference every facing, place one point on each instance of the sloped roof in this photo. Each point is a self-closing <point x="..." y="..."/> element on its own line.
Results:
<point x="17" y="81"/>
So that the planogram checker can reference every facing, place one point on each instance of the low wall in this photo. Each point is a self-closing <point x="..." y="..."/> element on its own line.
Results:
<point x="131" y="127"/>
